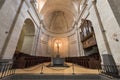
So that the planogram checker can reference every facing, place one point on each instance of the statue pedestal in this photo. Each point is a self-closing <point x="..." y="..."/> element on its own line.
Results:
<point x="58" y="61"/>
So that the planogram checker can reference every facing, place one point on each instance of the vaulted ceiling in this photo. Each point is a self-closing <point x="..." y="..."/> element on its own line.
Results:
<point x="58" y="15"/>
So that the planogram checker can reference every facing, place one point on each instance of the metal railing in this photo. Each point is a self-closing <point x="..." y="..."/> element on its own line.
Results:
<point x="111" y="70"/>
<point x="6" y="68"/>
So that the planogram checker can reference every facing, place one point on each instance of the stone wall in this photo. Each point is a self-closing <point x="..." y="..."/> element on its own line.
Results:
<point x="111" y="27"/>
<point x="73" y="45"/>
<point x="12" y="17"/>
<point x="43" y="45"/>
<point x="115" y="6"/>
<point x="107" y="37"/>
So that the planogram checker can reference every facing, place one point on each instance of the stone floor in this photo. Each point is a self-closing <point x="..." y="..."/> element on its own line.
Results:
<point x="58" y="70"/>
<point x="42" y="72"/>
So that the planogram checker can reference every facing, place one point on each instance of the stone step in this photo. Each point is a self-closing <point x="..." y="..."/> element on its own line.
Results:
<point x="55" y="77"/>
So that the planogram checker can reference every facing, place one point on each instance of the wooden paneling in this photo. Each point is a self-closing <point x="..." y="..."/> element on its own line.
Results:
<point x="22" y="60"/>
<point x="89" y="42"/>
<point x="85" y="61"/>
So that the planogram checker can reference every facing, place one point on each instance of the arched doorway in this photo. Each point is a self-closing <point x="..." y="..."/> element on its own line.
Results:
<point x="26" y="39"/>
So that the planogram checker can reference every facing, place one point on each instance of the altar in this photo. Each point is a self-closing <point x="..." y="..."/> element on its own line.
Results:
<point x="58" y="61"/>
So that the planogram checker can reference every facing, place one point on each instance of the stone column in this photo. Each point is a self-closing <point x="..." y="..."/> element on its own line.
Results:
<point x="40" y="40"/>
<point x="109" y="64"/>
<point x="80" y="47"/>
<point x="68" y="46"/>
<point x="48" y="51"/>
<point x="12" y="26"/>
<point x="37" y="41"/>
<point x="78" y="40"/>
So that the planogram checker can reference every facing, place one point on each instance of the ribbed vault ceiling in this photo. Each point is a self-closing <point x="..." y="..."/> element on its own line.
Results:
<point x="58" y="15"/>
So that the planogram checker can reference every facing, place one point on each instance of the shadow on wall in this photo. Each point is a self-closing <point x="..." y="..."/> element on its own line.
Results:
<point x="1" y="3"/>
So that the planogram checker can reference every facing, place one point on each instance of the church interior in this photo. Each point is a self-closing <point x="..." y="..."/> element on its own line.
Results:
<point x="59" y="39"/>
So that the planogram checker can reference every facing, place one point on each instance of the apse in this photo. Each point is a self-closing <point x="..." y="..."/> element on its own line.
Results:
<point x="58" y="22"/>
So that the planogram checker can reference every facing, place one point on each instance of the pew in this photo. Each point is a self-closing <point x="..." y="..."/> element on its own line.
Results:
<point x="88" y="62"/>
<point x="22" y="60"/>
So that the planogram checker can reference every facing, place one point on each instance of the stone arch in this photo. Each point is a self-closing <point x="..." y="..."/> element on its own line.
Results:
<point x="26" y="40"/>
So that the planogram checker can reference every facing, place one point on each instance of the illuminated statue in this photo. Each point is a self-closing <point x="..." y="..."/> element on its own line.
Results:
<point x="58" y="44"/>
